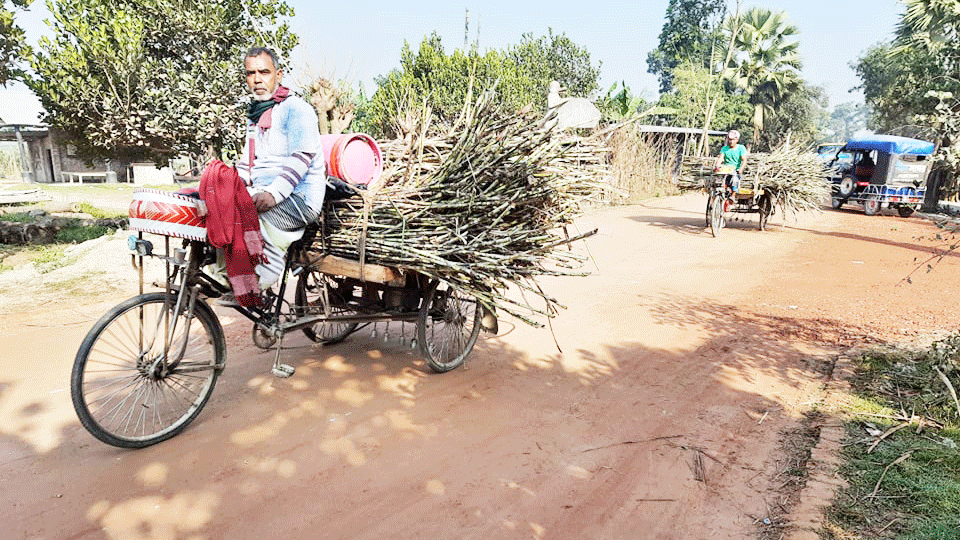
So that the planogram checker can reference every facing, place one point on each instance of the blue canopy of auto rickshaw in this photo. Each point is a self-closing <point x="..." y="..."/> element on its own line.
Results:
<point x="891" y="144"/>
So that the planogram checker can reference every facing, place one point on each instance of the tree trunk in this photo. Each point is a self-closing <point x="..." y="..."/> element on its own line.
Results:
<point x="757" y="122"/>
<point x="712" y="105"/>
<point x="931" y="198"/>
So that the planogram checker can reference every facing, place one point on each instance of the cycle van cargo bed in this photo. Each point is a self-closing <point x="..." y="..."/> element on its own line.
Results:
<point x="339" y="266"/>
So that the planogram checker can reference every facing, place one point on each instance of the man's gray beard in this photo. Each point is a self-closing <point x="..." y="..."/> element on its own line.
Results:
<point x="258" y="97"/>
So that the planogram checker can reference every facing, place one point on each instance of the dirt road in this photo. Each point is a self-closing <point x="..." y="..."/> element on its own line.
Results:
<point x="655" y="409"/>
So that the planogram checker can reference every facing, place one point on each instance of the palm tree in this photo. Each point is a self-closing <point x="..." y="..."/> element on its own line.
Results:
<point x="933" y="26"/>
<point x="764" y="64"/>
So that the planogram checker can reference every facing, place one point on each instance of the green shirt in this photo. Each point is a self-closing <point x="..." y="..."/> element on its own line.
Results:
<point x="734" y="156"/>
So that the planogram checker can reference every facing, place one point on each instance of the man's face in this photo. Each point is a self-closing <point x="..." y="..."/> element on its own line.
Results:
<point x="262" y="76"/>
<point x="732" y="140"/>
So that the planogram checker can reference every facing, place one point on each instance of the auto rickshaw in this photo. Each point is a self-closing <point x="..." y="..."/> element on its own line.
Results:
<point x="881" y="171"/>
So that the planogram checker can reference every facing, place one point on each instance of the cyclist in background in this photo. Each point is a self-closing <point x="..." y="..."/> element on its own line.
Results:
<point x="732" y="154"/>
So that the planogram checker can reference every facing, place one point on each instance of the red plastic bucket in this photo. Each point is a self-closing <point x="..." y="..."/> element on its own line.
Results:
<point x="352" y="157"/>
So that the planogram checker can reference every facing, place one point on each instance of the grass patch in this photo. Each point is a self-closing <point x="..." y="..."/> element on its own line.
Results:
<point x="98" y="213"/>
<point x="18" y="217"/>
<point x="79" y="233"/>
<point x="80" y="286"/>
<point x="47" y="258"/>
<point x="902" y="448"/>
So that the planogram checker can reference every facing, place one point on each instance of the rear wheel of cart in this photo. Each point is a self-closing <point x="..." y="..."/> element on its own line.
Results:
<point x="847" y="185"/>
<point x="321" y="294"/>
<point x="716" y="215"/>
<point x="905" y="211"/>
<point x="766" y="208"/>
<point x="448" y="326"/>
<point x="871" y="204"/>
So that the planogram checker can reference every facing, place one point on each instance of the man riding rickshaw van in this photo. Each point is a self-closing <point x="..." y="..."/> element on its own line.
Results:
<point x="883" y="171"/>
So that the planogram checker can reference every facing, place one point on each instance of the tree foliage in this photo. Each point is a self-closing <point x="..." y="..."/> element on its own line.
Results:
<point x="620" y="103"/>
<point x="845" y="120"/>
<point x="12" y="43"/>
<point x="896" y="86"/>
<point x="766" y="64"/>
<point x="932" y="26"/>
<point x="799" y="117"/>
<point x="555" y="57"/>
<point x="689" y="34"/>
<point x="151" y="79"/>
<point x="429" y="77"/>
<point x="691" y="86"/>
<point x="900" y="79"/>
<point x="944" y="120"/>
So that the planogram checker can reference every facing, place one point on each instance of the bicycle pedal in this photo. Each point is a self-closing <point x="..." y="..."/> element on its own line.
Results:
<point x="283" y="370"/>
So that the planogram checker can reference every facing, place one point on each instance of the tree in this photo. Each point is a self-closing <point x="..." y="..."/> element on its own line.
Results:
<point x="932" y="26"/>
<point x="766" y="65"/>
<point x="899" y="79"/>
<point x="12" y="44"/>
<point x="692" y="97"/>
<point x="896" y="86"/>
<point x="845" y="120"/>
<point x="152" y="79"/>
<point x="799" y="118"/>
<point x="944" y="122"/>
<point x="555" y="58"/>
<point x="689" y="34"/>
<point x="444" y="82"/>
<point x="430" y="77"/>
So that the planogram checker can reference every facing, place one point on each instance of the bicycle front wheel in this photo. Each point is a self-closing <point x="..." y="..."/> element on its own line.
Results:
<point x="716" y="215"/>
<point x="143" y="372"/>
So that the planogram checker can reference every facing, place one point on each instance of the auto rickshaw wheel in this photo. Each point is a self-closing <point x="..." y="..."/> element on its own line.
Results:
<point x="847" y="185"/>
<point x="871" y="204"/>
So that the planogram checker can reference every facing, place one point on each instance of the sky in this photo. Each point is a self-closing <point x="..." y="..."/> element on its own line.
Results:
<point x="360" y="40"/>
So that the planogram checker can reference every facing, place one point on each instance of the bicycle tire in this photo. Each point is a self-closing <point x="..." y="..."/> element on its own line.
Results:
<point x="309" y="300"/>
<point x="448" y="327"/>
<point x="716" y="215"/>
<point x="120" y="389"/>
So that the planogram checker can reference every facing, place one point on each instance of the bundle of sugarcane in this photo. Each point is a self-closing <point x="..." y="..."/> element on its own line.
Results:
<point x="794" y="176"/>
<point x="696" y="172"/>
<point x="482" y="208"/>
